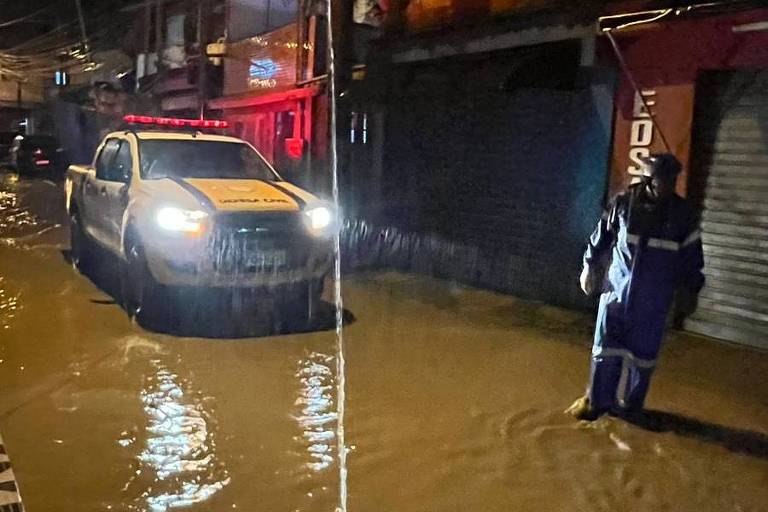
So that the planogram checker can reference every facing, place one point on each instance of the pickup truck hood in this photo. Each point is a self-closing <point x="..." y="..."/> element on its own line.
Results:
<point x="246" y="195"/>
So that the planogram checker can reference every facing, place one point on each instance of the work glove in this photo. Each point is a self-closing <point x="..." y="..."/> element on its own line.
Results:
<point x="587" y="280"/>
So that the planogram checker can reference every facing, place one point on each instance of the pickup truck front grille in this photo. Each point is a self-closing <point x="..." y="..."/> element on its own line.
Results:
<point x="248" y="242"/>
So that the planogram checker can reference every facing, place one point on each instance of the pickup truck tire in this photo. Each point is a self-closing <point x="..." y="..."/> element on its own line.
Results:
<point x="80" y="245"/>
<point x="142" y="296"/>
<point x="301" y="309"/>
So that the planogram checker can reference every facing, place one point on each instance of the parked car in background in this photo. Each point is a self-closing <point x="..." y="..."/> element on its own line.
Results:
<point x="6" y="141"/>
<point x="37" y="155"/>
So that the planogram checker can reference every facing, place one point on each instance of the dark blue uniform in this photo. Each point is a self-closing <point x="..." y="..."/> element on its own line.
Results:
<point x="651" y="248"/>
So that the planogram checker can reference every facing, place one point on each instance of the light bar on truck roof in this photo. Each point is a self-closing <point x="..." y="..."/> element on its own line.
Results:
<point x="173" y="122"/>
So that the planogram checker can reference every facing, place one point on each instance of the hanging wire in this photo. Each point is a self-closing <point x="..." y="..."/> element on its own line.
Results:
<point x="656" y="16"/>
<point x="24" y="18"/>
<point x="61" y="48"/>
<point x="659" y="15"/>
<point x="51" y="52"/>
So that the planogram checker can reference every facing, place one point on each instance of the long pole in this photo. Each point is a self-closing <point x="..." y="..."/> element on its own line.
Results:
<point x="81" y="19"/>
<point x="202" y="75"/>
<point x="636" y="87"/>
<point x="159" y="34"/>
<point x="341" y="447"/>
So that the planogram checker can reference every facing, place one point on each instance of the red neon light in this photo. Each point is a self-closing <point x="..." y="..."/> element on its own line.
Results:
<point x="42" y="162"/>
<point x="175" y="122"/>
<point x="294" y="148"/>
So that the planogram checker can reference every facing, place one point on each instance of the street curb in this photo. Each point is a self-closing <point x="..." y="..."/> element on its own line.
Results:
<point x="10" y="500"/>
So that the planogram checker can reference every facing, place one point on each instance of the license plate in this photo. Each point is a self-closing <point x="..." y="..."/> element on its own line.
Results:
<point x="268" y="259"/>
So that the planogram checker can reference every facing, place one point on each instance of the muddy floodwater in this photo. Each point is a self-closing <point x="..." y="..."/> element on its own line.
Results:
<point x="454" y="402"/>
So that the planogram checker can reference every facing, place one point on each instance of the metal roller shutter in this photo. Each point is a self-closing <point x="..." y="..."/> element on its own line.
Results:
<point x="731" y="162"/>
<point x="508" y="178"/>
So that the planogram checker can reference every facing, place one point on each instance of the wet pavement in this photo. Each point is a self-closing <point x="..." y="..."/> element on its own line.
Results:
<point x="454" y="401"/>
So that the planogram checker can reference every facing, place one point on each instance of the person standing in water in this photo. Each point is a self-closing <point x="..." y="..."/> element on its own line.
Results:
<point x="648" y="239"/>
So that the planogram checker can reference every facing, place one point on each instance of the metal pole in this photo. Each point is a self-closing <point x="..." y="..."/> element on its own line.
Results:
<point x="340" y="360"/>
<point x="636" y="88"/>
<point x="202" y="60"/>
<point x="159" y="34"/>
<point x="81" y="19"/>
<point x="147" y="48"/>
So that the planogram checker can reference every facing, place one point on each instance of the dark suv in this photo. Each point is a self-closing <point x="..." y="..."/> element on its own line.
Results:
<point x="6" y="141"/>
<point x="37" y="155"/>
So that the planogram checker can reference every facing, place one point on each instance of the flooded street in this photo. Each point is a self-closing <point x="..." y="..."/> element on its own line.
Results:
<point x="455" y="402"/>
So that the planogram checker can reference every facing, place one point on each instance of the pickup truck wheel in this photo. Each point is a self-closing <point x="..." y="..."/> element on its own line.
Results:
<point x="81" y="250"/>
<point x="141" y="294"/>
<point x="302" y="307"/>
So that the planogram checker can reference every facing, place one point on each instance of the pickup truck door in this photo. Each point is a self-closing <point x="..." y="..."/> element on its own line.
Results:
<point x="106" y="194"/>
<point x="92" y="208"/>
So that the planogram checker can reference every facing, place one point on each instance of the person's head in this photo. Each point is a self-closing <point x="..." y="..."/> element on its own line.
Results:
<point x="662" y="171"/>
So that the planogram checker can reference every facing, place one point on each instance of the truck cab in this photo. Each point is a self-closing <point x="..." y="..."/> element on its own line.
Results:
<point x="181" y="208"/>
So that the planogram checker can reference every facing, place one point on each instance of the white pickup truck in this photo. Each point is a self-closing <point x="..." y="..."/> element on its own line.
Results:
<point x="187" y="209"/>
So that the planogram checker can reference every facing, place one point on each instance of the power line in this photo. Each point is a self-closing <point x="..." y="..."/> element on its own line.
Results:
<point x="60" y="49"/>
<point x="22" y="19"/>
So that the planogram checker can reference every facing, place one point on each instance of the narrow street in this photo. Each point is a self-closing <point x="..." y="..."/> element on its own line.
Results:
<point x="455" y="402"/>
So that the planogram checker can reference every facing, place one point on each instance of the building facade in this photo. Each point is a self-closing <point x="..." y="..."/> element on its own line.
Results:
<point x="705" y="79"/>
<point x="271" y="96"/>
<point x="488" y="132"/>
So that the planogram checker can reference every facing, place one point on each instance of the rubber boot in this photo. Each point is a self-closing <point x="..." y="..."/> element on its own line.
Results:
<point x="582" y="410"/>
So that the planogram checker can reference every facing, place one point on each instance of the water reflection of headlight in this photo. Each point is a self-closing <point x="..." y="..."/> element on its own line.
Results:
<point x="179" y="449"/>
<point x="318" y="415"/>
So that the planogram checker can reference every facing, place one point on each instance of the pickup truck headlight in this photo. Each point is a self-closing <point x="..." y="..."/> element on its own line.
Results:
<point x="319" y="220"/>
<point x="181" y="221"/>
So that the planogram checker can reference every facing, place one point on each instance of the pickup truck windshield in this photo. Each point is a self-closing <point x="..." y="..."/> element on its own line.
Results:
<point x="202" y="159"/>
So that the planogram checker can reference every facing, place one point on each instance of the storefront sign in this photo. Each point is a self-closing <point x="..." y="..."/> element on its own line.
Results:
<point x="641" y="132"/>
<point x="636" y="134"/>
<point x="265" y="63"/>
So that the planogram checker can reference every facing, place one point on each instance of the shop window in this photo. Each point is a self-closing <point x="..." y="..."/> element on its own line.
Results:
<point x="283" y="131"/>
<point x="358" y="128"/>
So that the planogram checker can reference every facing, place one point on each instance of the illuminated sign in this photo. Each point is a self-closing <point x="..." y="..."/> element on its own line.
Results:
<point x="262" y="69"/>
<point x="260" y="74"/>
<point x="266" y="62"/>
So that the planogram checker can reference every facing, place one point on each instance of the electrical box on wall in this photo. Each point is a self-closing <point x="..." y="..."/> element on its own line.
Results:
<point x="216" y="51"/>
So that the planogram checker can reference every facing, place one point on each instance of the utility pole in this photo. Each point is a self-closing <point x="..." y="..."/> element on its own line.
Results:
<point x="81" y="19"/>
<point x="202" y="60"/>
<point x="147" y="43"/>
<point x="159" y="34"/>
<point x="83" y="34"/>
<point x="342" y="27"/>
<point x="341" y="447"/>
